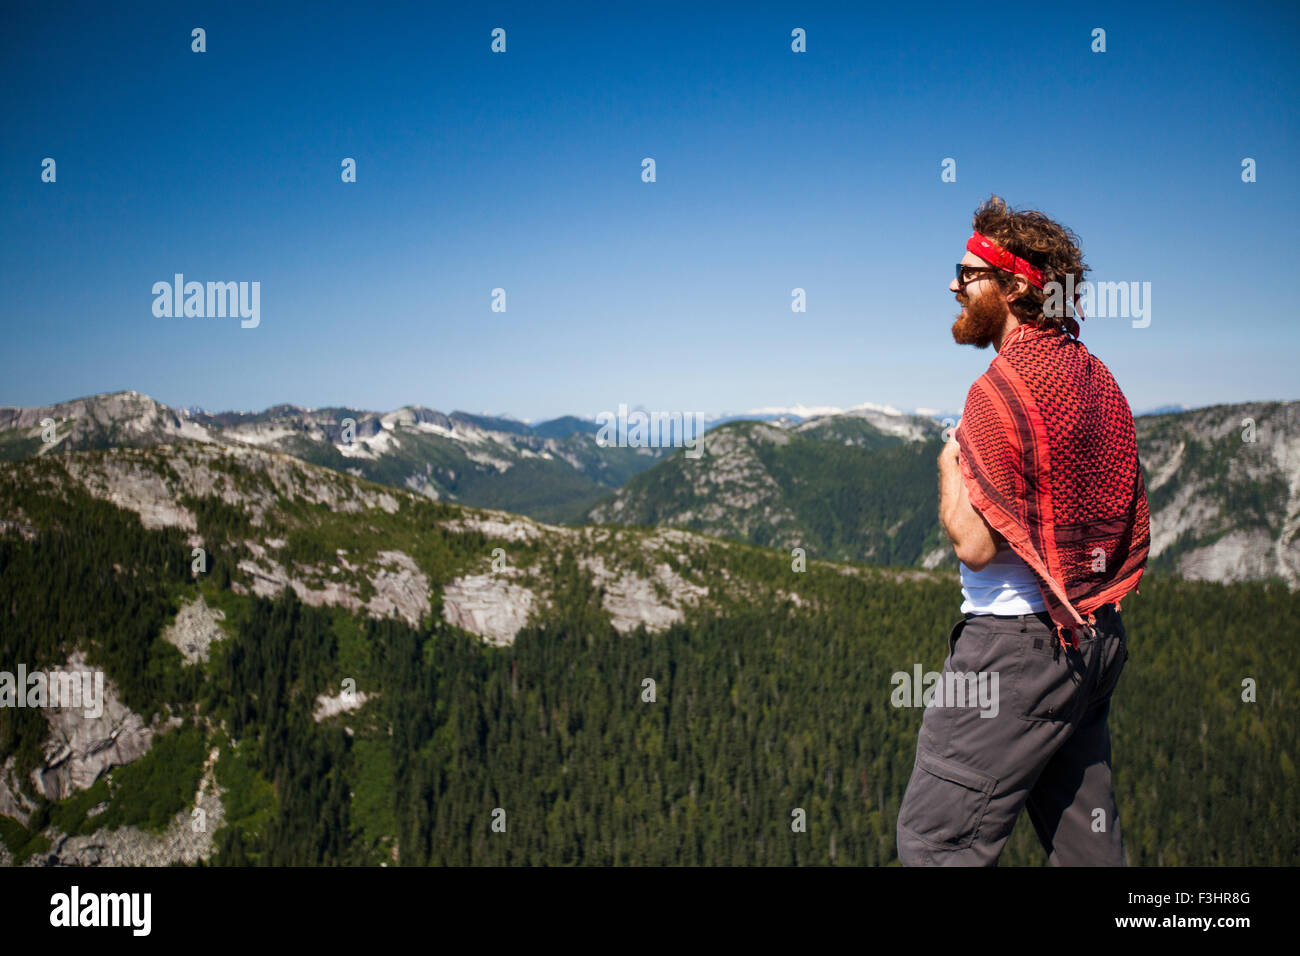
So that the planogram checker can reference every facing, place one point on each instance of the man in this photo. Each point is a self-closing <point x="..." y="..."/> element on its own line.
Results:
<point x="1042" y="496"/>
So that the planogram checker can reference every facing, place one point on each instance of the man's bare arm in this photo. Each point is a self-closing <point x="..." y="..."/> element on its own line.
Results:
<point x="974" y="541"/>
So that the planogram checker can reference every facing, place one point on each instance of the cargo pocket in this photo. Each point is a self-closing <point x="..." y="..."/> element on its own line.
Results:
<point x="1049" y="681"/>
<point x="945" y="802"/>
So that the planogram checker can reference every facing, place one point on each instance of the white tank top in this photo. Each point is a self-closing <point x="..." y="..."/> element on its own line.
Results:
<point x="1006" y="585"/>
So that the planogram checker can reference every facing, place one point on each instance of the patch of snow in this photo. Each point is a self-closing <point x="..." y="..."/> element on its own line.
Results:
<point x="261" y="434"/>
<point x="802" y="411"/>
<point x="384" y="442"/>
<point x="355" y="450"/>
<point x="486" y="459"/>
<point x="873" y="407"/>
<point x="195" y="432"/>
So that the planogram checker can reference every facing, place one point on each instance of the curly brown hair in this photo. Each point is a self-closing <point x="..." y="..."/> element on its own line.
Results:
<point x="1042" y="242"/>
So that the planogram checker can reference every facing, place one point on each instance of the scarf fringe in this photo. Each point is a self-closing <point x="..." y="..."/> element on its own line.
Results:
<point x="1061" y="631"/>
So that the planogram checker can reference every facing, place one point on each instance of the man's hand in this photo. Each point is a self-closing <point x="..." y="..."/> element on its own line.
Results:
<point x="974" y="542"/>
<point x="948" y="457"/>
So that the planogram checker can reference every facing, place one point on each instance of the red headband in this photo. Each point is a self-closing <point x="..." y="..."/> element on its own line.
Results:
<point x="991" y="252"/>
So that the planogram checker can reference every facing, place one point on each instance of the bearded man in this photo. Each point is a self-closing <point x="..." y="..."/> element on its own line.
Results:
<point x="1042" y="496"/>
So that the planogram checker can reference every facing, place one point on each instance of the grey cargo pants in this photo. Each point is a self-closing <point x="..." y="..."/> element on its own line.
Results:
<point x="1047" y="748"/>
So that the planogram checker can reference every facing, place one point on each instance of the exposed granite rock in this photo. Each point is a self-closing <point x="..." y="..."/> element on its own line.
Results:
<point x="1237" y="556"/>
<point x="194" y="630"/>
<point x="134" y="486"/>
<point x="632" y="600"/>
<point x="401" y="589"/>
<point x="252" y="479"/>
<point x="14" y="803"/>
<point x="80" y="748"/>
<point x="327" y="707"/>
<point x="270" y="579"/>
<point x="937" y="558"/>
<point x="1200" y="465"/>
<point x="488" y="605"/>
<point x="499" y="525"/>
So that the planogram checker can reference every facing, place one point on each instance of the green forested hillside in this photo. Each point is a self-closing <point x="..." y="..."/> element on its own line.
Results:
<point x="1223" y="484"/>
<point x="774" y="697"/>
<point x="844" y="491"/>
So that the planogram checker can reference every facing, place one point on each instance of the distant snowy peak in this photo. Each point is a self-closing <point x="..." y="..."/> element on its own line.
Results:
<point x="797" y="411"/>
<point x="873" y="407"/>
<point x="883" y="417"/>
<point x="801" y="417"/>
<point x="822" y="411"/>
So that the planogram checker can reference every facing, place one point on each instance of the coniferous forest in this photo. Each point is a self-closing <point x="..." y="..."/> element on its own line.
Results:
<point x="550" y="752"/>
<point x="754" y="716"/>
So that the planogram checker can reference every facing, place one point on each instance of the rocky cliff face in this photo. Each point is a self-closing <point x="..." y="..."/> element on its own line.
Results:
<point x="1224" y="489"/>
<point x="80" y="748"/>
<point x="14" y="802"/>
<point x="399" y="589"/>
<point x="489" y="605"/>
<point x="100" y="421"/>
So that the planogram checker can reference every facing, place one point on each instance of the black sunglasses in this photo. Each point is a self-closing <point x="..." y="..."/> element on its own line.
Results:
<point x="964" y="270"/>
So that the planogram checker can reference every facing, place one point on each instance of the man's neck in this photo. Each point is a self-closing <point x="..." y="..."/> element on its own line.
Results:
<point x="1011" y="326"/>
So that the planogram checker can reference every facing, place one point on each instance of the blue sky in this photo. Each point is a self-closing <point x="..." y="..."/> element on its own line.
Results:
<point x="522" y="170"/>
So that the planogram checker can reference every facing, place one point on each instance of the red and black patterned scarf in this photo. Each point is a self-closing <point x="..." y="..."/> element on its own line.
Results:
<point x="1049" y="456"/>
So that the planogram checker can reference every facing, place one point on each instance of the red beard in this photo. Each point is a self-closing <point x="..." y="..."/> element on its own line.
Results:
<point x="982" y="319"/>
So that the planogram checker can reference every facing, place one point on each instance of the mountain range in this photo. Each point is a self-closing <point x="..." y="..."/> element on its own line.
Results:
<point x="1223" y="481"/>
<point x="1223" y="485"/>
<point x="549" y="471"/>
